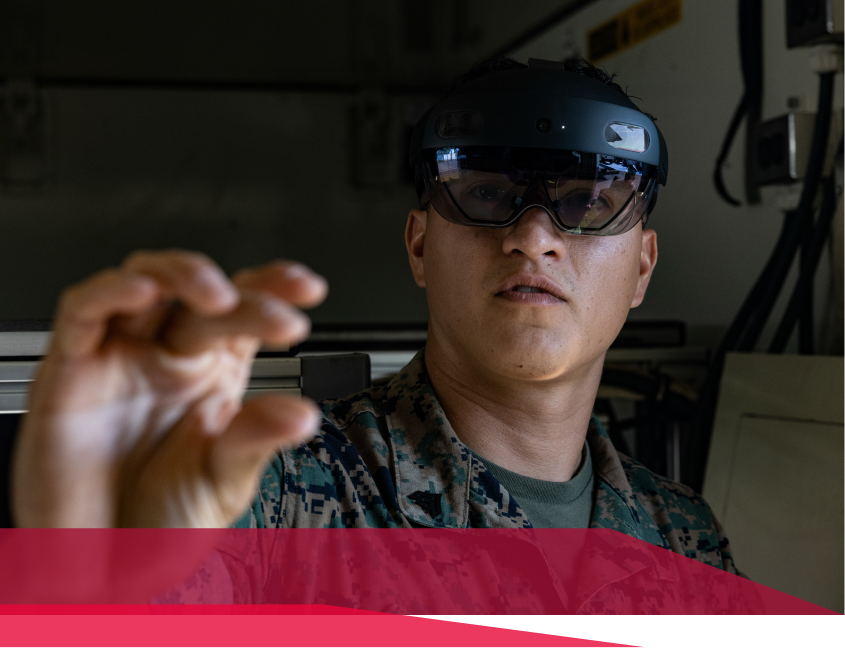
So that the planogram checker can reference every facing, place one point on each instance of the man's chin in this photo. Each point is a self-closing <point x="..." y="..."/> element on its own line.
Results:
<point x="534" y="363"/>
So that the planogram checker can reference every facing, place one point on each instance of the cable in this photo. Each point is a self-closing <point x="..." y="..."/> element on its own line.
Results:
<point x="751" y="59"/>
<point x="806" y="342"/>
<point x="745" y="330"/>
<point x="781" y="250"/>
<point x="802" y="213"/>
<point x="806" y="337"/>
<point x="706" y="406"/>
<point x="772" y="284"/>
<point x="718" y="181"/>
<point x="750" y="20"/>
<point x="805" y="281"/>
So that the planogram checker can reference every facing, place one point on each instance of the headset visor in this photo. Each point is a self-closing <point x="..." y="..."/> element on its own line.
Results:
<point x="584" y="193"/>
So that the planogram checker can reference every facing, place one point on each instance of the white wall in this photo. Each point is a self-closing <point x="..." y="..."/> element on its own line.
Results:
<point x="689" y="77"/>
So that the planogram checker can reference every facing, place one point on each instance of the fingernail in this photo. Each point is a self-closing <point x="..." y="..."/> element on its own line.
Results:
<point x="299" y="271"/>
<point x="306" y="423"/>
<point x="296" y="325"/>
<point x="277" y="309"/>
<point x="219" y="284"/>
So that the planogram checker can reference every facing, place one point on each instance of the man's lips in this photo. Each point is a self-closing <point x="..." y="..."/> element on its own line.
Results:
<point x="530" y="289"/>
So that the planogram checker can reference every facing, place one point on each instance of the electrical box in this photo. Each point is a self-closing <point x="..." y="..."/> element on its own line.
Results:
<point x="783" y="148"/>
<point x="783" y="145"/>
<point x="811" y="22"/>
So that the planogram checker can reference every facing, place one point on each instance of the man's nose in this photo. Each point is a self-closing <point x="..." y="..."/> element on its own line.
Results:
<point x="534" y="235"/>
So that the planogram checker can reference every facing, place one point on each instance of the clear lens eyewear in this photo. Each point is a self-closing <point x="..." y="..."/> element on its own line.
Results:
<point x="583" y="193"/>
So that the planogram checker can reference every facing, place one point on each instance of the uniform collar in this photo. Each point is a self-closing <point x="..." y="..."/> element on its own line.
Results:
<point x="428" y="458"/>
<point x="614" y="506"/>
<point x="430" y="461"/>
<point x="439" y="479"/>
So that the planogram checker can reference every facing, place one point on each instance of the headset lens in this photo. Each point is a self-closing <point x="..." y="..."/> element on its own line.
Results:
<point x="493" y="186"/>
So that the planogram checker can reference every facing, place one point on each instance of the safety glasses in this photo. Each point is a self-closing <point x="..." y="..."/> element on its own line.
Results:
<point x="583" y="193"/>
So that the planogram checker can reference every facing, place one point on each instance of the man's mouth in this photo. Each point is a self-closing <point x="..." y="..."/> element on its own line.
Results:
<point x="530" y="288"/>
<point x="527" y="289"/>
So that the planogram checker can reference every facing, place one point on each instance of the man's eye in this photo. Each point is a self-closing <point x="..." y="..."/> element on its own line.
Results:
<point x="584" y="200"/>
<point x="487" y="192"/>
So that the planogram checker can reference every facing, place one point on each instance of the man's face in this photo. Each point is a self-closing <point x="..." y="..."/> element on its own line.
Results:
<point x="476" y="280"/>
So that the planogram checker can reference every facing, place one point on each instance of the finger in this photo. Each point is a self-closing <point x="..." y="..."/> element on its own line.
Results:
<point x="145" y="326"/>
<point x="258" y="315"/>
<point x="190" y="277"/>
<point x="263" y="427"/>
<point x="85" y="309"/>
<point x="293" y="282"/>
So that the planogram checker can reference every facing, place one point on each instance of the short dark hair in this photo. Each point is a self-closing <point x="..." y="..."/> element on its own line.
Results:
<point x="575" y="64"/>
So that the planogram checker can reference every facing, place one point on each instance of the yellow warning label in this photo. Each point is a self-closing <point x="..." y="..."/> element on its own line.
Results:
<point x="632" y="26"/>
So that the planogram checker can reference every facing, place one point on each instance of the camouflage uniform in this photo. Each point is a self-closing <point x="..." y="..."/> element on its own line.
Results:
<point x="387" y="457"/>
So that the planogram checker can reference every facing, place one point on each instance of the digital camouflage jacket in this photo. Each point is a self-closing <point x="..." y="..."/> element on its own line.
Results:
<point x="387" y="457"/>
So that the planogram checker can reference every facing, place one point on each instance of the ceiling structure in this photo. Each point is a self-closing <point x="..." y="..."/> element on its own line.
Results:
<point x="327" y="46"/>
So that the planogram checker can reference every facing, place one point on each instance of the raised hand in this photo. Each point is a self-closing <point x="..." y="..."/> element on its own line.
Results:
<point x="135" y="418"/>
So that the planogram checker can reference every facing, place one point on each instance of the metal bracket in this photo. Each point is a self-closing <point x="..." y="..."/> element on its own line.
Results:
<point x="23" y="140"/>
<point x="373" y="155"/>
<point x="23" y="122"/>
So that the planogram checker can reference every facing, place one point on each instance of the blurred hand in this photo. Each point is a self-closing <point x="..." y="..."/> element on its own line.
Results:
<point x="135" y="418"/>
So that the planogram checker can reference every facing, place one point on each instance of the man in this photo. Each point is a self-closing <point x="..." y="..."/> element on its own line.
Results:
<point x="135" y="418"/>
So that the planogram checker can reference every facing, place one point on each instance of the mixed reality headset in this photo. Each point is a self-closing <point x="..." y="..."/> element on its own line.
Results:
<point x="539" y="137"/>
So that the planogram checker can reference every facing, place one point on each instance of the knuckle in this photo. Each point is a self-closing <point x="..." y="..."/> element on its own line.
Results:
<point x="197" y="268"/>
<point x="295" y="325"/>
<point x="109" y="275"/>
<point x="138" y="258"/>
<point x="272" y="309"/>
<point x="193" y="257"/>
<point x="185" y="263"/>
<point x="185" y="255"/>
<point x="280" y="266"/>
<point x="190" y="268"/>
<point x="69" y="299"/>
<point x="243" y="275"/>
<point x="75" y="296"/>
<point x="276" y="320"/>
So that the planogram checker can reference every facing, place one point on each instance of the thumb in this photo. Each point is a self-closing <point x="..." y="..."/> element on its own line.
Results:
<point x="263" y="427"/>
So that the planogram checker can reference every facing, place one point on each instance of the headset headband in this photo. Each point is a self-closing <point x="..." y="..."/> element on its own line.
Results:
<point x="542" y="106"/>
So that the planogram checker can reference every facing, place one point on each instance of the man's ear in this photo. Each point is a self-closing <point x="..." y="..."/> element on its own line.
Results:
<point x="415" y="242"/>
<point x="648" y="258"/>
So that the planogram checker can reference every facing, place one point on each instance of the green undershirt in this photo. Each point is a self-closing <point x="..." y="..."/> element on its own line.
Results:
<point x="552" y="505"/>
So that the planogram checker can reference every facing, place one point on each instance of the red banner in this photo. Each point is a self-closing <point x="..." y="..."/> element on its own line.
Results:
<point x="253" y="625"/>
<point x="398" y="571"/>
